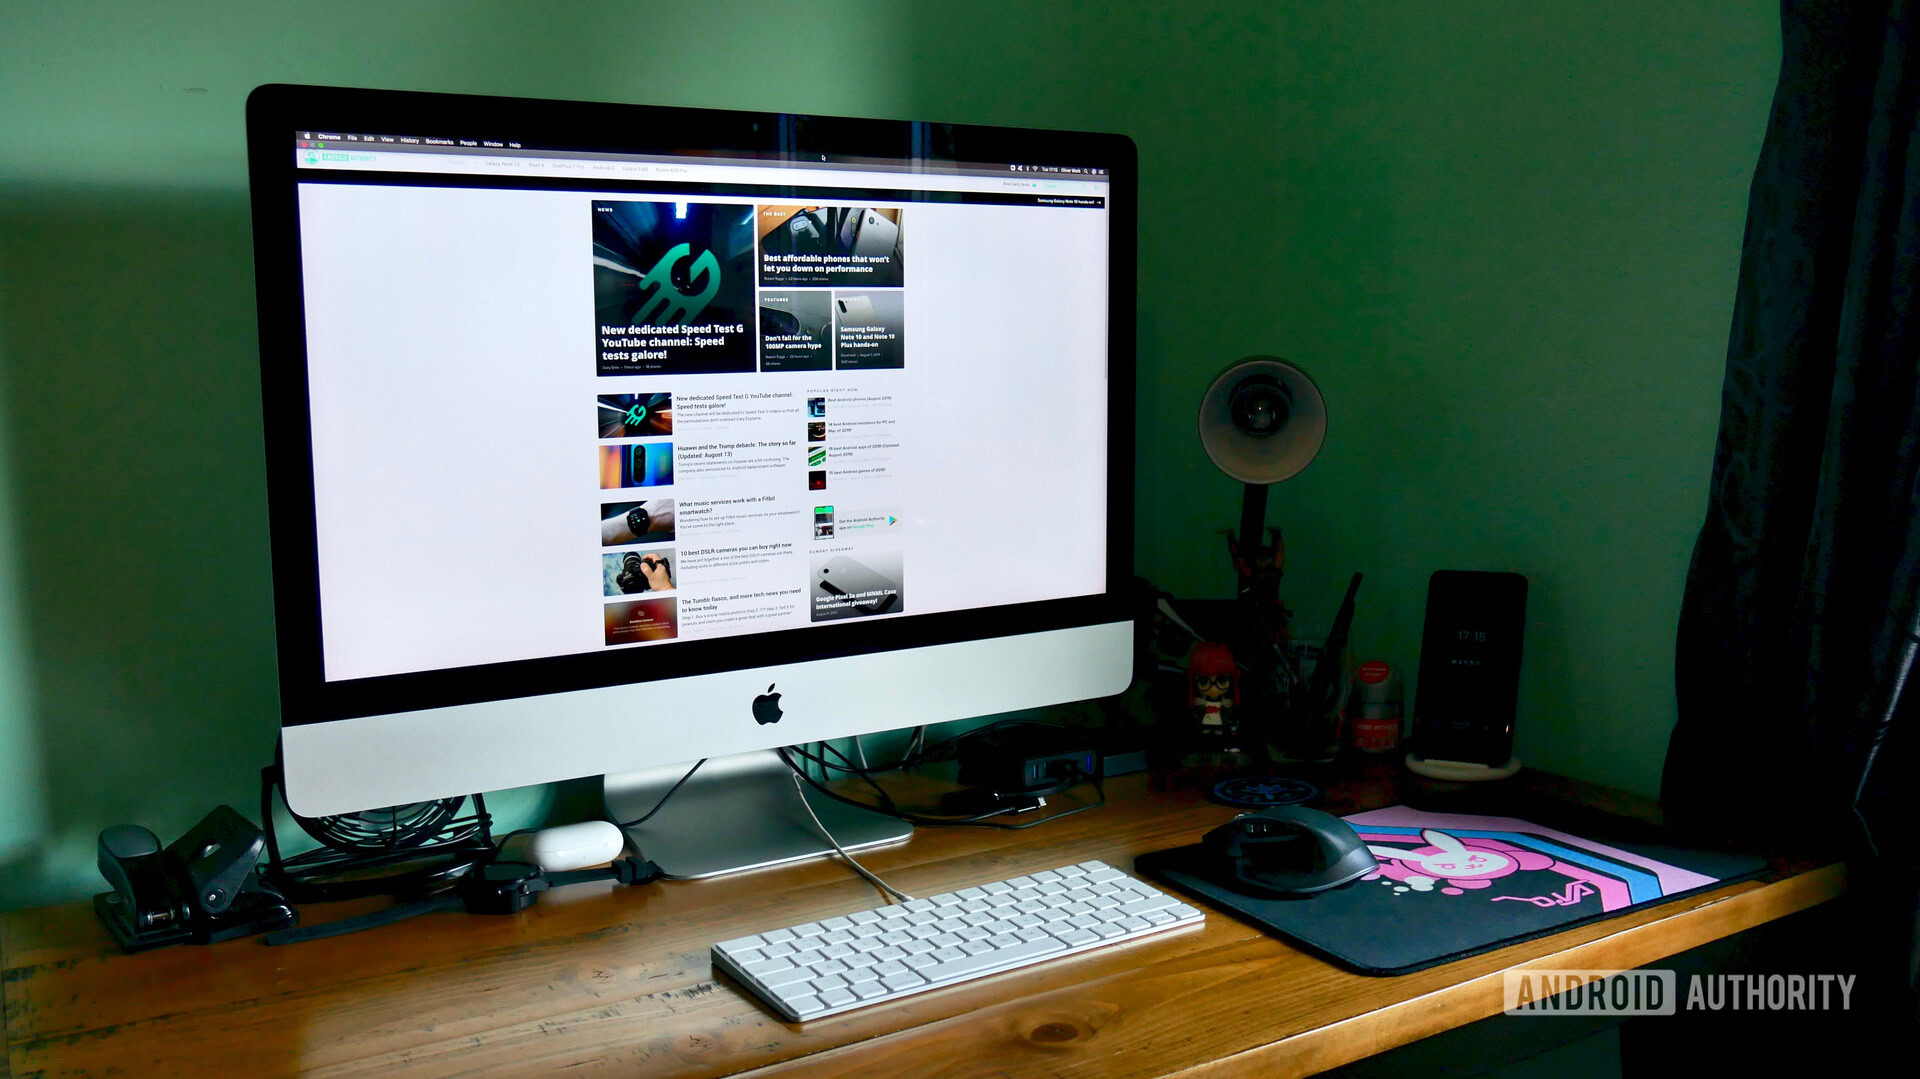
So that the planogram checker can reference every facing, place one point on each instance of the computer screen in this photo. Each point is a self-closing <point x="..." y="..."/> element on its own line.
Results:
<point x="566" y="397"/>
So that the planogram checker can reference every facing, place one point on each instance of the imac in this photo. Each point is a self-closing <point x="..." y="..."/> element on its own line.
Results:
<point x="608" y="439"/>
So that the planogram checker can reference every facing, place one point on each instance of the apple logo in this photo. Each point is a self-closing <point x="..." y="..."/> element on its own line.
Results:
<point x="766" y="707"/>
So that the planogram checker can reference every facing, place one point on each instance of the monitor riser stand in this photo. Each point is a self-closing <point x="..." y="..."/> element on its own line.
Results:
<point x="738" y="813"/>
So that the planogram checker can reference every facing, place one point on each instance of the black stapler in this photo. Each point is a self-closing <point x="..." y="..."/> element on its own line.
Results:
<point x="199" y="890"/>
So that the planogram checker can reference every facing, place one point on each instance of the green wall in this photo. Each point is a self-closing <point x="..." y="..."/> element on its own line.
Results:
<point x="1503" y="237"/>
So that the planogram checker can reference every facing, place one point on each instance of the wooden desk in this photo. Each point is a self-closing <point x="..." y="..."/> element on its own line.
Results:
<point x="604" y="980"/>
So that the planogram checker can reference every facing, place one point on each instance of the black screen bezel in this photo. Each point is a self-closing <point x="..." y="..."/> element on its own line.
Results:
<point x="276" y="113"/>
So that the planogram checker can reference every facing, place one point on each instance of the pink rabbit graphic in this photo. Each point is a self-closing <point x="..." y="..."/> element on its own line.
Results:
<point x="1462" y="863"/>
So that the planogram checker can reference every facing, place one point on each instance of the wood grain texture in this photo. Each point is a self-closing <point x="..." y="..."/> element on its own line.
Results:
<point x="617" y="980"/>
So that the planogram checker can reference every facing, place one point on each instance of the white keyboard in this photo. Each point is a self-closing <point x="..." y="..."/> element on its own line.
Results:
<point x="874" y="956"/>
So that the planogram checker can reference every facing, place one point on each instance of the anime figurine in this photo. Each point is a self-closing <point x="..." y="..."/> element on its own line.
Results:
<point x="1213" y="693"/>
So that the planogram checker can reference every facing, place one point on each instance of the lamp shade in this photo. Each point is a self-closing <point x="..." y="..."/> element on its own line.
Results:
<point x="1262" y="420"/>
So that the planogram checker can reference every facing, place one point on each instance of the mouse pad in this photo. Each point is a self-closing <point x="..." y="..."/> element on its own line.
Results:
<point x="1450" y="885"/>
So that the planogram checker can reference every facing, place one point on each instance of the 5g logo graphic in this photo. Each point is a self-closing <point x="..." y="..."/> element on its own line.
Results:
<point x="668" y="306"/>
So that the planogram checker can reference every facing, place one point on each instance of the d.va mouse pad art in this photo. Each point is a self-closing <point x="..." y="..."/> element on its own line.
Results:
<point x="1450" y="885"/>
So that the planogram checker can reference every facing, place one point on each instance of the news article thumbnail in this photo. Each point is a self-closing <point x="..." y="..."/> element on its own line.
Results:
<point x="650" y="521"/>
<point x="856" y="585"/>
<point x="673" y="287"/>
<point x="856" y="246"/>
<point x="629" y="573"/>
<point x="796" y="331"/>
<point x="869" y="330"/>
<point x="638" y="620"/>
<point x="642" y="464"/>
<point x="635" y="415"/>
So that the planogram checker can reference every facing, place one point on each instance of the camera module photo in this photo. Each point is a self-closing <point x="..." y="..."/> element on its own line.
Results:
<point x="856" y="586"/>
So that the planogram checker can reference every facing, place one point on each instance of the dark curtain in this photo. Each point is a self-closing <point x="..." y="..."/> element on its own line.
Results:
<point x="1798" y="616"/>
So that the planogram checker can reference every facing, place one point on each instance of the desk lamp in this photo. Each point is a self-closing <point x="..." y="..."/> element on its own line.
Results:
<point x="1262" y="421"/>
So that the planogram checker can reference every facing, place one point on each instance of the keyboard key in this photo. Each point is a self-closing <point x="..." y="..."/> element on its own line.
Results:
<point x="1094" y="867"/>
<point x="1158" y="917"/>
<point x="748" y="955"/>
<point x="837" y="923"/>
<point x="834" y="998"/>
<point x="740" y="943"/>
<point x="869" y="990"/>
<point x="808" y="929"/>
<point x="894" y="938"/>
<point x="1071" y="871"/>
<point x="836" y="951"/>
<point x="862" y="973"/>
<point x="1099" y="875"/>
<point x="887" y="968"/>
<point x="777" y="950"/>
<point x="919" y="962"/>
<point x="998" y="887"/>
<point x="889" y="952"/>
<point x="1073" y="937"/>
<point x="960" y="968"/>
<point x="976" y="947"/>
<point x="778" y="936"/>
<point x="805" y="957"/>
<point x="805" y="1006"/>
<point x="1182" y="911"/>
<point x="946" y="955"/>
<point x="917" y="947"/>
<point x="865" y="917"/>
<point x="1141" y="906"/>
<point x="906" y="980"/>
<point x="831" y="981"/>
<point x="830" y="966"/>
<point x="1046" y="876"/>
<point x="837" y="936"/>
<point x="785" y="977"/>
<point x="765" y="967"/>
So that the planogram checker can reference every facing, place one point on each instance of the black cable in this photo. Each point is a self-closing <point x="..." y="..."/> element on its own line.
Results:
<point x="980" y="821"/>
<point x="643" y="818"/>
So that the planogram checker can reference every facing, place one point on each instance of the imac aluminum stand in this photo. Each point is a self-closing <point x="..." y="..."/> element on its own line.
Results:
<point x="738" y="813"/>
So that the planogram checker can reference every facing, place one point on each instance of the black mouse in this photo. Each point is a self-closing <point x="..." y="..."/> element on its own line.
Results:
<point x="1287" y="851"/>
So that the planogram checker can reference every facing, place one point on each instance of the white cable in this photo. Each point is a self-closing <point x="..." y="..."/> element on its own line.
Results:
<point x="860" y="751"/>
<point x="801" y="792"/>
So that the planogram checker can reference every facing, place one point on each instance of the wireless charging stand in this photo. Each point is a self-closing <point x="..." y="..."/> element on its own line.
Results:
<point x="1460" y="771"/>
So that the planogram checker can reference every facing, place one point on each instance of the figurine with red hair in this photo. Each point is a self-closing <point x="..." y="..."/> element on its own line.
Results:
<point x="1213" y="692"/>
